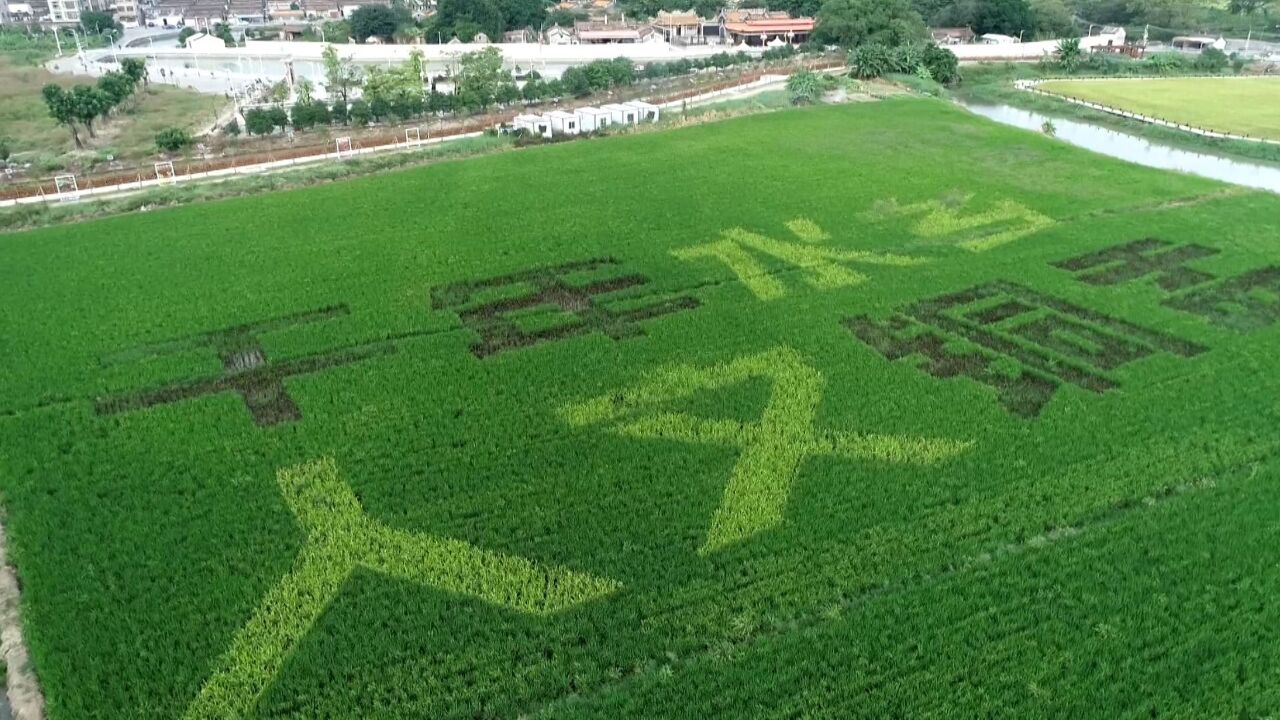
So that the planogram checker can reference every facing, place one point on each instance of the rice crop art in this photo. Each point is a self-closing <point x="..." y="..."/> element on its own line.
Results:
<point x="862" y="411"/>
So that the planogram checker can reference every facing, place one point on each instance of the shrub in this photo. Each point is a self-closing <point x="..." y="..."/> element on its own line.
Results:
<point x="232" y="129"/>
<point x="172" y="139"/>
<point x="360" y="113"/>
<point x="805" y="87"/>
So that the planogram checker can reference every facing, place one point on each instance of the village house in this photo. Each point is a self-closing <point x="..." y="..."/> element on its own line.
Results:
<point x="764" y="28"/>
<point x="600" y="33"/>
<point x="679" y="26"/>
<point x="952" y="35"/>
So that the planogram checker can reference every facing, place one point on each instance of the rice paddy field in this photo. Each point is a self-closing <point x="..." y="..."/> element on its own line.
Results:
<point x="1241" y="106"/>
<point x="867" y="411"/>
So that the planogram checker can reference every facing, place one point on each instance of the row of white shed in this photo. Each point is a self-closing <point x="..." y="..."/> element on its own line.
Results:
<point x="587" y="119"/>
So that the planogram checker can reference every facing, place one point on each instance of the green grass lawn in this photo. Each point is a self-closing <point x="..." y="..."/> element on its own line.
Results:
<point x="129" y="133"/>
<point x="1247" y="106"/>
<point x="865" y="411"/>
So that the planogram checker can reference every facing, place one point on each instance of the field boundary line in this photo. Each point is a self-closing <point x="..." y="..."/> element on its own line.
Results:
<point x="1033" y="86"/>
<point x="23" y="697"/>
<point x="803" y="620"/>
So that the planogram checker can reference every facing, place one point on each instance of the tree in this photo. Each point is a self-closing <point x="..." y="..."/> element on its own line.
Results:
<point x="378" y="108"/>
<point x="361" y="113"/>
<point x="62" y="107"/>
<point x="172" y="139"/>
<point x="853" y="22"/>
<point x="278" y="92"/>
<point x="373" y="21"/>
<point x="341" y="75"/>
<point x="518" y="14"/>
<point x="302" y="116"/>
<point x="135" y="68"/>
<point x="943" y="65"/>
<point x="1069" y="53"/>
<point x="576" y="81"/>
<point x="458" y="16"/>
<point x="303" y="88"/>
<point x="340" y="112"/>
<point x="257" y="121"/>
<point x="1052" y="18"/>
<point x="479" y="77"/>
<point x="183" y="34"/>
<point x="1248" y="7"/>
<point x="116" y="85"/>
<point x="96" y="22"/>
<point x="1007" y="17"/>
<point x="89" y="104"/>
<point x="223" y="33"/>
<point x="5" y="151"/>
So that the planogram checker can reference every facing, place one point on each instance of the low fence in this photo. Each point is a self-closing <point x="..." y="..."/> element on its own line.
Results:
<point x="54" y="189"/>
<point x="1032" y="86"/>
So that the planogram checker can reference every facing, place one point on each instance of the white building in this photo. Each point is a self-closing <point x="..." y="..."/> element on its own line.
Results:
<point x="537" y="124"/>
<point x="557" y="35"/>
<point x="621" y="114"/>
<point x="64" y="11"/>
<point x="644" y="110"/>
<point x="997" y="39"/>
<point x="591" y="119"/>
<point x="564" y="123"/>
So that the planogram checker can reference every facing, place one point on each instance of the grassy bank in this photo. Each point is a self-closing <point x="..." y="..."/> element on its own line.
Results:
<point x="993" y="84"/>
<point x="129" y="133"/>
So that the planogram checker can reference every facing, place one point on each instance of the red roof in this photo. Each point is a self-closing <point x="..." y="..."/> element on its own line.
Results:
<point x="797" y="25"/>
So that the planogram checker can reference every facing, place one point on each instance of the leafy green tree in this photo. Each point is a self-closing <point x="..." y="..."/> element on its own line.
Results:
<point x="361" y="113"/>
<point x="116" y="85"/>
<point x="507" y="93"/>
<point x="459" y="16"/>
<point x="1069" y="53"/>
<point x="257" y="121"/>
<point x="479" y="77"/>
<point x="232" y="129"/>
<point x="340" y="111"/>
<point x="341" y="75"/>
<point x="303" y="88"/>
<point x="184" y="34"/>
<point x="850" y="23"/>
<point x="517" y="14"/>
<point x="135" y="68"/>
<point x="1052" y="18"/>
<point x="62" y="107"/>
<point x="172" y="139"/>
<point x="279" y="118"/>
<point x="223" y="33"/>
<point x="576" y="81"/>
<point x="302" y="116"/>
<point x="96" y="22"/>
<point x="6" y="150"/>
<point x="943" y="65"/>
<point x="89" y="103"/>
<point x="373" y="21"/>
<point x="379" y="108"/>
<point x="1008" y="17"/>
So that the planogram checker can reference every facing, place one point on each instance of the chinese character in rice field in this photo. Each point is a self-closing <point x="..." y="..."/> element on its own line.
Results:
<point x="1001" y="224"/>
<point x="771" y="450"/>
<point x="551" y="303"/>
<point x="246" y="369"/>
<point x="1162" y="261"/>
<point x="339" y="538"/>
<point x="1020" y="342"/>
<point x="1246" y="302"/>
<point x="820" y="265"/>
